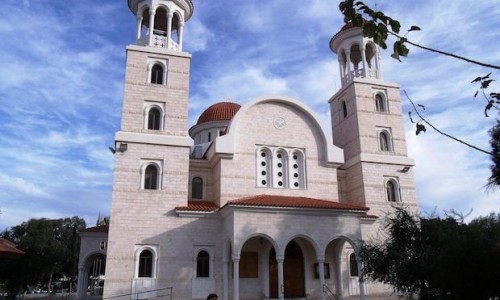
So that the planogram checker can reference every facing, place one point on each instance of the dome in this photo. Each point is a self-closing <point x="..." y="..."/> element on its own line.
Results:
<point x="222" y="111"/>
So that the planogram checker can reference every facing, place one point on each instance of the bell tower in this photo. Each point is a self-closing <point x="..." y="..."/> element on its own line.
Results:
<point x="152" y="146"/>
<point x="367" y="123"/>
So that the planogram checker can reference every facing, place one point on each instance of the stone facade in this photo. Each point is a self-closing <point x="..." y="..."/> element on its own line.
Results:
<point x="264" y="204"/>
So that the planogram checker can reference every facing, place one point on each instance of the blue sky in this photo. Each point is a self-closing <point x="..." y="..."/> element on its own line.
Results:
<point x="61" y="80"/>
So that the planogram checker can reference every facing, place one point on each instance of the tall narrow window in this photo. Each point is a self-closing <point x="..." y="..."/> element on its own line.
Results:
<point x="297" y="170"/>
<point x="157" y="74"/>
<point x="392" y="190"/>
<point x="344" y="109"/>
<point x="151" y="178"/>
<point x="280" y="169"/>
<point x="203" y="264"/>
<point x="353" y="265"/>
<point x="379" y="103"/>
<point x="154" y="119"/>
<point x="384" y="141"/>
<point x="197" y="188"/>
<point x="209" y="136"/>
<point x="145" y="264"/>
<point x="264" y="167"/>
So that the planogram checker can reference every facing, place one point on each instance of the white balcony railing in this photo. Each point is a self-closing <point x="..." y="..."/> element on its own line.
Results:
<point x="144" y="288"/>
<point x="160" y="40"/>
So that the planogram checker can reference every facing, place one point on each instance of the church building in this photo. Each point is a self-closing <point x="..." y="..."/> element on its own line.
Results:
<point x="254" y="201"/>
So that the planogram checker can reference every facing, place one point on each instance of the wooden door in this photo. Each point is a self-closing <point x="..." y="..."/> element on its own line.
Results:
<point x="293" y="269"/>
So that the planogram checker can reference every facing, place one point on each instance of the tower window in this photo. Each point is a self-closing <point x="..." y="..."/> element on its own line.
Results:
<point x="353" y="265"/>
<point x="151" y="178"/>
<point x="344" y="109"/>
<point x="385" y="140"/>
<point x="154" y="119"/>
<point x="145" y="264"/>
<point x="157" y="74"/>
<point x="392" y="190"/>
<point x="380" y="103"/>
<point x="197" y="188"/>
<point x="151" y="175"/>
<point x="203" y="264"/>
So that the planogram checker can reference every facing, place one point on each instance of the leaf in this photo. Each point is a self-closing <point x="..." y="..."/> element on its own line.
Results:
<point x="421" y="106"/>
<point x="414" y="28"/>
<point x="411" y="119"/>
<point x="487" y="76"/>
<point x="420" y="128"/>
<point x="485" y="84"/>
<point x="495" y="95"/>
<point x="395" y="56"/>
<point x="476" y="80"/>
<point x="395" y="25"/>
<point x="488" y="107"/>
<point x="475" y="95"/>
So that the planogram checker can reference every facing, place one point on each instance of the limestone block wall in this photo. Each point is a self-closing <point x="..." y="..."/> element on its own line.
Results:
<point x="256" y="128"/>
<point x="139" y="93"/>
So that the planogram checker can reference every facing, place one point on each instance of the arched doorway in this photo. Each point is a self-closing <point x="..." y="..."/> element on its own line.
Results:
<point x="293" y="272"/>
<point x="96" y="264"/>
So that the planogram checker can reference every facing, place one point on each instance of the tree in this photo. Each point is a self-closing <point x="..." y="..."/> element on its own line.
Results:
<point x="379" y="27"/>
<point x="50" y="247"/>
<point x="435" y="258"/>
<point x="494" y="179"/>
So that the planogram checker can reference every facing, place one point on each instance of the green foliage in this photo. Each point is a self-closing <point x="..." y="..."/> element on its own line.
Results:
<point x="494" y="180"/>
<point x="435" y="258"/>
<point x="51" y="249"/>
<point x="376" y="25"/>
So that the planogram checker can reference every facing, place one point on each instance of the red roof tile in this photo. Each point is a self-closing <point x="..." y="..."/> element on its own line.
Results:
<point x="293" y="202"/>
<point x="8" y="249"/>
<point x="219" y="112"/>
<point x="102" y="228"/>
<point x="198" y="206"/>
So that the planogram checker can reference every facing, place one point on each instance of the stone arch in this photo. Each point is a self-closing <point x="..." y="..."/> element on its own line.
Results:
<point x="91" y="272"/>
<point x="332" y="154"/>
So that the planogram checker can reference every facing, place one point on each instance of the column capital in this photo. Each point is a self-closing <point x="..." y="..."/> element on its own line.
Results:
<point x="181" y="23"/>
<point x="152" y="11"/>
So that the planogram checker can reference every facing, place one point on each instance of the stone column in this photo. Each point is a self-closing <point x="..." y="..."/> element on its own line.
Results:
<point x="338" y="276"/>
<point x="236" y="278"/>
<point x="81" y="288"/>
<point x="321" y="272"/>
<point x="151" y="26"/>
<point x="169" y="29"/>
<point x="361" y="279"/>
<point x="225" y="279"/>
<point x="377" y="63"/>
<point x="348" y="63"/>
<point x="138" y="27"/>
<point x="181" y="32"/>
<point x="363" y="57"/>
<point x="281" y="285"/>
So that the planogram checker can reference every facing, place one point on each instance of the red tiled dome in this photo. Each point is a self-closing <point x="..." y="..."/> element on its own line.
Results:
<point x="219" y="112"/>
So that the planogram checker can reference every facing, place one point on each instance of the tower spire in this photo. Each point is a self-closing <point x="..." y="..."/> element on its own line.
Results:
<point x="358" y="56"/>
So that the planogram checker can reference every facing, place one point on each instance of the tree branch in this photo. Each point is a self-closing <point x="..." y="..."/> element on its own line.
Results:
<point x="441" y="132"/>
<point x="445" y="53"/>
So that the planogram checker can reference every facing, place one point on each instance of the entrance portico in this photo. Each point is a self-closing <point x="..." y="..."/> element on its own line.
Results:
<point x="299" y="252"/>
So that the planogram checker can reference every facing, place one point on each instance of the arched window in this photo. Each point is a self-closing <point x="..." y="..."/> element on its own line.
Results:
<point x="392" y="190"/>
<point x="157" y="74"/>
<point x="151" y="177"/>
<point x="380" y="103"/>
<point x="297" y="170"/>
<point x="280" y="169"/>
<point x="145" y="264"/>
<point x="344" y="109"/>
<point x="203" y="264"/>
<point x="264" y="167"/>
<point x="385" y="141"/>
<point x="154" y="118"/>
<point x="209" y="136"/>
<point x="353" y="265"/>
<point x="197" y="188"/>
